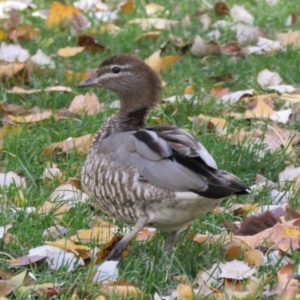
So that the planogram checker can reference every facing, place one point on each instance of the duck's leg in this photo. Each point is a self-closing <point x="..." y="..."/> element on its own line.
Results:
<point x="170" y="241"/>
<point x="116" y="252"/>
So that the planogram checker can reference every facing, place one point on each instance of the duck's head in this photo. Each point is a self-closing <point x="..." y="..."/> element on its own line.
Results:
<point x="136" y="84"/>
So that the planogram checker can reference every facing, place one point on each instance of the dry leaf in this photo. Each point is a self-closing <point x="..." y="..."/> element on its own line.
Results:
<point x="205" y="20"/>
<point x="69" y="51"/>
<point x="254" y="258"/>
<point x="266" y="77"/>
<point x="160" y="64"/>
<point x="247" y="33"/>
<point x="60" y="14"/>
<point x="67" y="245"/>
<point x="150" y="35"/>
<point x="24" y="32"/>
<point x="218" y="123"/>
<point x="157" y="23"/>
<point x="202" y="48"/>
<point x="10" y="70"/>
<point x="240" y="14"/>
<point x="32" y="118"/>
<point x="236" y="269"/>
<point x="154" y="9"/>
<point x="109" y="28"/>
<point x="11" y="53"/>
<point x="55" y="208"/>
<point x="126" y="7"/>
<point x="189" y="90"/>
<point x="259" y="109"/>
<point x="41" y="59"/>
<point x="236" y="96"/>
<point x="100" y="235"/>
<point x="232" y="48"/>
<point x="121" y="291"/>
<point x="289" y="38"/>
<point x="89" y="43"/>
<point x="88" y="103"/>
<point x="80" y="144"/>
<point x="221" y="9"/>
<point x="75" y="77"/>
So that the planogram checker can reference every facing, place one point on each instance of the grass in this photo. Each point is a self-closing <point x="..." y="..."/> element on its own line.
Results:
<point x="147" y="265"/>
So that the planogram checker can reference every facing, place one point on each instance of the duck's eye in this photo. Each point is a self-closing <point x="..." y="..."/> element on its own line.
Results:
<point x="116" y="69"/>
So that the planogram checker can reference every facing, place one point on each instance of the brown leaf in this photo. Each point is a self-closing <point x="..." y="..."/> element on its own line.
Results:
<point x="185" y="292"/>
<point x="221" y="9"/>
<point x="219" y="91"/>
<point x="80" y="144"/>
<point x="32" y="118"/>
<point x="88" y="42"/>
<point x="221" y="78"/>
<point x="6" y="287"/>
<point x="100" y="235"/>
<point x="26" y="260"/>
<point x="233" y="48"/>
<point x="24" y="32"/>
<point x="255" y="224"/>
<point x="126" y="7"/>
<point x="88" y="103"/>
<point x="217" y="123"/>
<point x="202" y="48"/>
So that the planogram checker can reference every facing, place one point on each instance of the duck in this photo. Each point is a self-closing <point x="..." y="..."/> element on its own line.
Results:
<point x="159" y="176"/>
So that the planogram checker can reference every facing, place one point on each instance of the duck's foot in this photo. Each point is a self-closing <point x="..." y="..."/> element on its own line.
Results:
<point x="171" y="241"/>
<point x="116" y="252"/>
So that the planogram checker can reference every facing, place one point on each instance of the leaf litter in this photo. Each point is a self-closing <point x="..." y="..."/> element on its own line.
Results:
<point x="274" y="227"/>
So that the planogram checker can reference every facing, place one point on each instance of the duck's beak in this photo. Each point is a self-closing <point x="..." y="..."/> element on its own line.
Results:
<point x="92" y="81"/>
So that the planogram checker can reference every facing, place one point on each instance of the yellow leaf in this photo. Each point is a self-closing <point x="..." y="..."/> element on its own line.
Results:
<point x="97" y="298"/>
<point x="101" y="235"/>
<point x="59" y="14"/>
<point x="32" y="118"/>
<point x="189" y="90"/>
<point x="160" y="64"/>
<point x="75" y="77"/>
<point x="67" y="245"/>
<point x="259" y="109"/>
<point x="289" y="38"/>
<point x="3" y="35"/>
<point x="149" y="35"/>
<point x="108" y="28"/>
<point x="121" y="290"/>
<point x="185" y="292"/>
<point x="69" y="51"/>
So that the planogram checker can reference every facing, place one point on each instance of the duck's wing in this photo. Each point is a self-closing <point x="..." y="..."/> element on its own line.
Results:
<point x="171" y="158"/>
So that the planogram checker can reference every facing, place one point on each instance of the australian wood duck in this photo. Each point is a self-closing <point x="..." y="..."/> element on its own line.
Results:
<point x="157" y="176"/>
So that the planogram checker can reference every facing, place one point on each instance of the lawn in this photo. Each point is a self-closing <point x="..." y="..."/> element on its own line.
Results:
<point x="147" y="265"/>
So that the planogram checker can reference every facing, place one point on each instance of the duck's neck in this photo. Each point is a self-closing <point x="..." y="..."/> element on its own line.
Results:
<point x="133" y="119"/>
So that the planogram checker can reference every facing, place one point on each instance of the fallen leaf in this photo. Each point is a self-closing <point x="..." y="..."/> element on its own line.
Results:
<point x="247" y="33"/>
<point x="150" y="35"/>
<point x="184" y="292"/>
<point x="205" y="20"/>
<point x="11" y="53"/>
<point x="218" y="123"/>
<point x="121" y="291"/>
<point x="80" y="144"/>
<point x="9" y="178"/>
<point x="232" y="48"/>
<point x="154" y="9"/>
<point x="32" y="118"/>
<point x="67" y="245"/>
<point x="291" y="38"/>
<point x="202" y="48"/>
<point x="267" y="77"/>
<point x="236" y="269"/>
<point x="89" y="43"/>
<point x="75" y="77"/>
<point x="24" y="32"/>
<point x="240" y="14"/>
<point x="100" y="235"/>
<point x="157" y="23"/>
<point x="60" y="14"/>
<point x="254" y="258"/>
<point x="236" y="96"/>
<point x="41" y="59"/>
<point x="88" y="103"/>
<point x="69" y="51"/>
<point x="259" y="109"/>
<point x="107" y="272"/>
<point x="126" y="7"/>
<point x="10" y="70"/>
<point x="160" y="64"/>
<point x="221" y="9"/>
